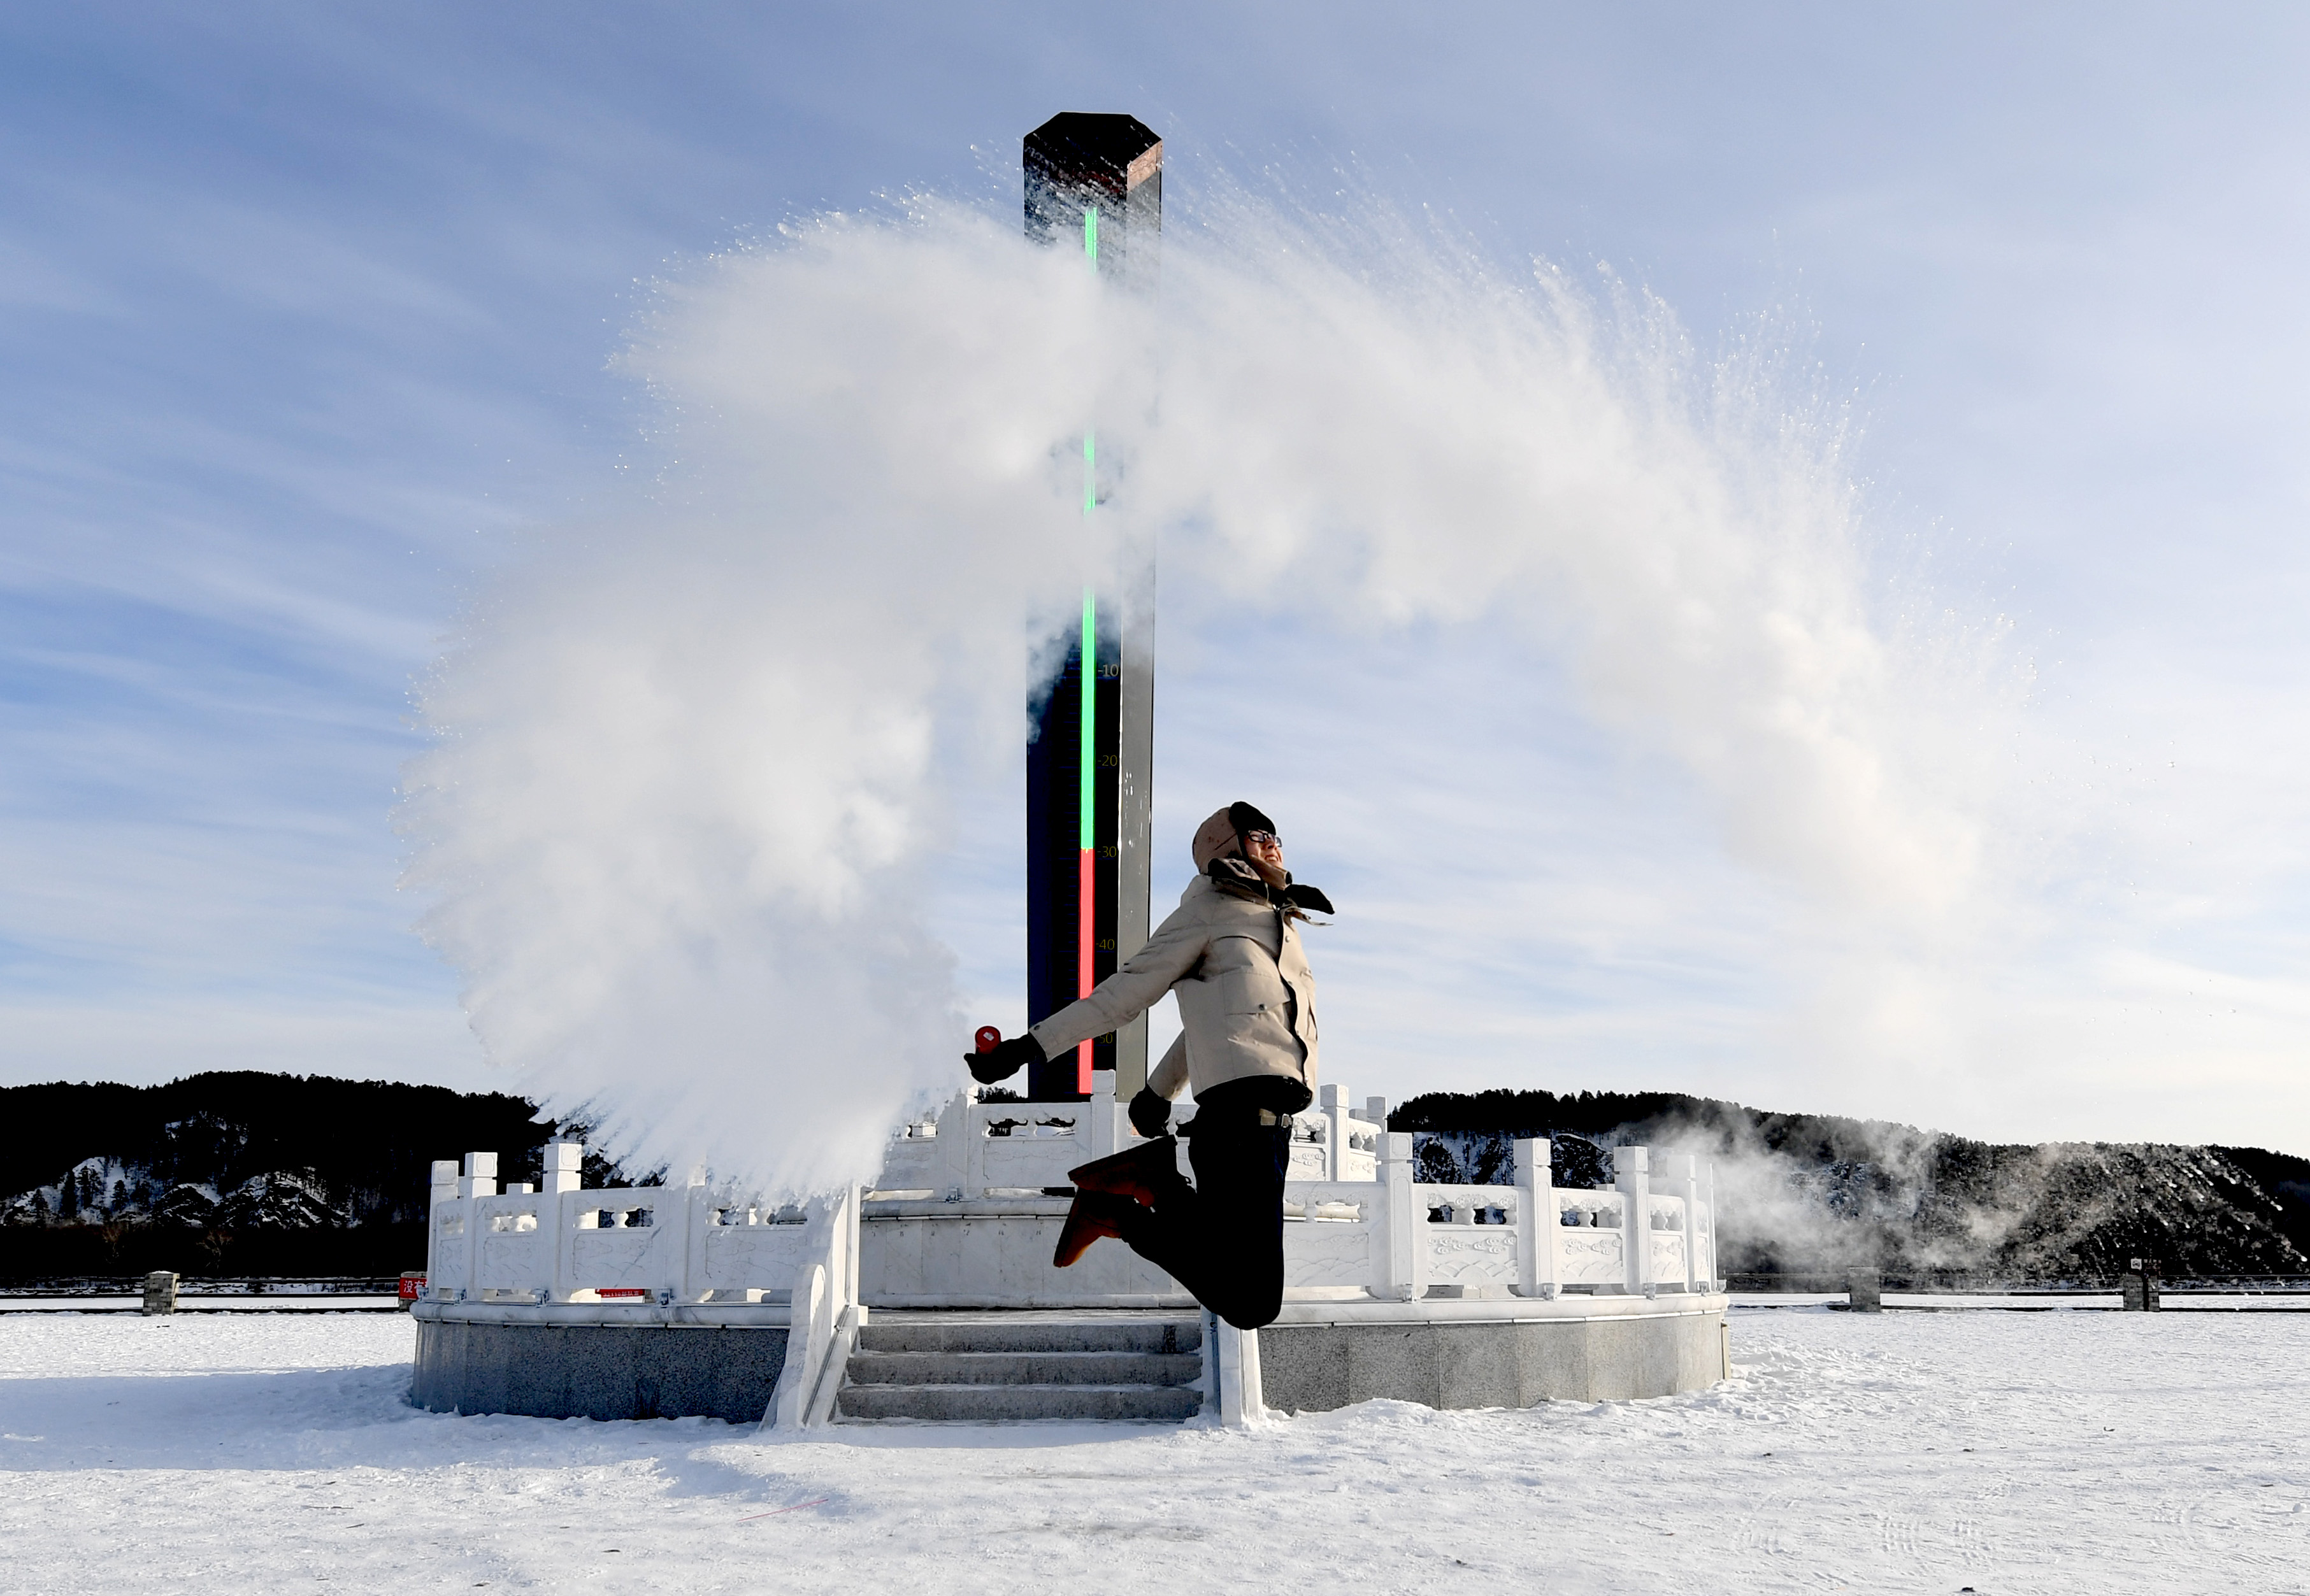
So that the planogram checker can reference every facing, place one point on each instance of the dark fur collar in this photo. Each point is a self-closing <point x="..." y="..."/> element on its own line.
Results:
<point x="1236" y="877"/>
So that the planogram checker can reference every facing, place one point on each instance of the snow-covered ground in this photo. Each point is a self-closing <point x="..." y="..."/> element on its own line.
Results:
<point x="2038" y="1302"/>
<point x="280" y="1303"/>
<point x="2056" y="1451"/>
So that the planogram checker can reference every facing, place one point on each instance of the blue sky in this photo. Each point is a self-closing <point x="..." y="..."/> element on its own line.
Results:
<point x="308" y="313"/>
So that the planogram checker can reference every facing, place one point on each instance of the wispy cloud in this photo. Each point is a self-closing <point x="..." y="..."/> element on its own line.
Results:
<point x="308" y="313"/>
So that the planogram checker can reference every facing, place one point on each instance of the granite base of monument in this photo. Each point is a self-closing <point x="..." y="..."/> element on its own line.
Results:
<point x="1315" y="1358"/>
<point x="491" y="1365"/>
<point x="1487" y="1355"/>
<point x="690" y="1300"/>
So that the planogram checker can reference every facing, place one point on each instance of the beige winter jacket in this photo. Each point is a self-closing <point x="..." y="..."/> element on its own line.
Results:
<point x="1246" y="996"/>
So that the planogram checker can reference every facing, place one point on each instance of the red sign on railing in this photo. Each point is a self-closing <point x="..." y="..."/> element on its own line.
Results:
<point x="607" y="1292"/>
<point x="412" y="1287"/>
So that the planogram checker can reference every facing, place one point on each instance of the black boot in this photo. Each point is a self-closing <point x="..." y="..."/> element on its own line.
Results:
<point x="1095" y="1214"/>
<point x="1148" y="1175"/>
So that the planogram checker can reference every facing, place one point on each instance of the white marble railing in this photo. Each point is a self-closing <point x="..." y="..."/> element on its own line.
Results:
<point x="974" y="1149"/>
<point x="1387" y="1237"/>
<point x="1358" y="1224"/>
<point x="662" y="1246"/>
<point x="1400" y="1240"/>
<point x="823" y="1320"/>
<point x="662" y="1250"/>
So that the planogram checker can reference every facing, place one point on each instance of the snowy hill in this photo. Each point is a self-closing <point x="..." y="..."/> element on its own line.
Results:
<point x="280" y="1156"/>
<point x="243" y="1151"/>
<point x="1805" y="1191"/>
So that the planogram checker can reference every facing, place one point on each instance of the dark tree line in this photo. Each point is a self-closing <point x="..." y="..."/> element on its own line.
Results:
<point x="313" y="1175"/>
<point x="366" y="1146"/>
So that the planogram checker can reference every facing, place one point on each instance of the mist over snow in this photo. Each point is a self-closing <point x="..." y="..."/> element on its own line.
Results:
<point x="706" y="767"/>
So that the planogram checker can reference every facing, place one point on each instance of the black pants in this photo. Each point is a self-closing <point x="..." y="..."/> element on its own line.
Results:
<point x="1223" y="1239"/>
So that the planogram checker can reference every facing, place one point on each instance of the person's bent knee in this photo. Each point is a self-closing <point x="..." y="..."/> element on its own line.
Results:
<point x="1253" y="1321"/>
<point x="1250" y="1313"/>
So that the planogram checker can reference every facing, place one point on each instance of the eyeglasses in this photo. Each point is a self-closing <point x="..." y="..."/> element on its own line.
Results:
<point x="1264" y="837"/>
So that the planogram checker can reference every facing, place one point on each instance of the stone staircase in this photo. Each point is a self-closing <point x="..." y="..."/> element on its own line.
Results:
<point x="990" y="1367"/>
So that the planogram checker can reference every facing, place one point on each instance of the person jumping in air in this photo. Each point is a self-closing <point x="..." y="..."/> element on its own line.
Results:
<point x="1231" y="953"/>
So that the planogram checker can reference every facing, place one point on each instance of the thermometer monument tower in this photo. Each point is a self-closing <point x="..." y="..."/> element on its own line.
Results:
<point x="1094" y="183"/>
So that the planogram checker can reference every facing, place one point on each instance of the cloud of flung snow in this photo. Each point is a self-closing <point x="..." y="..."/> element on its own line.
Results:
<point x="694" y="761"/>
<point x="1385" y="434"/>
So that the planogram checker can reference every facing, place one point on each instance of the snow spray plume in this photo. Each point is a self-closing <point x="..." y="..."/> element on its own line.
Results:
<point x="1393" y="435"/>
<point x="692" y="766"/>
<point x="687" y="775"/>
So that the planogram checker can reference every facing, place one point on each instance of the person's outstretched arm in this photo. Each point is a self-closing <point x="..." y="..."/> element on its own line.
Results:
<point x="1176" y="948"/>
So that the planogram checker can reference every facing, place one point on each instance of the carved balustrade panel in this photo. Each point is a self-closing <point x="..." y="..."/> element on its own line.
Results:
<point x="621" y="1257"/>
<point x="1586" y="1257"/>
<point x="516" y="1247"/>
<point x="752" y="1257"/>
<point x="1329" y="1254"/>
<point x="1043" y="1161"/>
<point x="447" y="1267"/>
<point x="1470" y="1255"/>
<point x="913" y="1162"/>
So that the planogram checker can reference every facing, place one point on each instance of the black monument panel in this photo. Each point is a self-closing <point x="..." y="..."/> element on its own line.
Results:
<point x="1074" y="163"/>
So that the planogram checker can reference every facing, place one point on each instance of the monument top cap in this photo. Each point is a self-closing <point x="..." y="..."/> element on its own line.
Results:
<point x="1114" y="151"/>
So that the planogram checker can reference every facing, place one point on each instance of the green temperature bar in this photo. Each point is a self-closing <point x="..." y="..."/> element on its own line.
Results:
<point x="1087" y="777"/>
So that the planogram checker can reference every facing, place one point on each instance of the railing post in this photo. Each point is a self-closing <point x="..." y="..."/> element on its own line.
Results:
<point x="1240" y="1403"/>
<point x="481" y="1176"/>
<point x="853" y="1204"/>
<point x="480" y="1179"/>
<point x="953" y="1160"/>
<point x="561" y="1166"/>
<point x="1099" y="1133"/>
<point x="789" y="1405"/>
<point x="1688" y="1166"/>
<point x="1536" y="1239"/>
<point x="674" y="1257"/>
<point x="1400" y="1254"/>
<point x="444" y="1190"/>
<point x="565" y="1210"/>
<point x="974" y="1152"/>
<point x="1632" y="1173"/>
<point x="560" y="1170"/>
<point x="1334" y="1103"/>
<point x="824" y="1316"/>
<point x="1713" y="1274"/>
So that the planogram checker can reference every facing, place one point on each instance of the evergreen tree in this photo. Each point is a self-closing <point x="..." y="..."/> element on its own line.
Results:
<point x="68" y="1199"/>
<point x="119" y="1197"/>
<point x="40" y="1215"/>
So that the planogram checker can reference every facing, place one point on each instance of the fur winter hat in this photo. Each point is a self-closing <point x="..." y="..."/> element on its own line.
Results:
<point x="1223" y="833"/>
